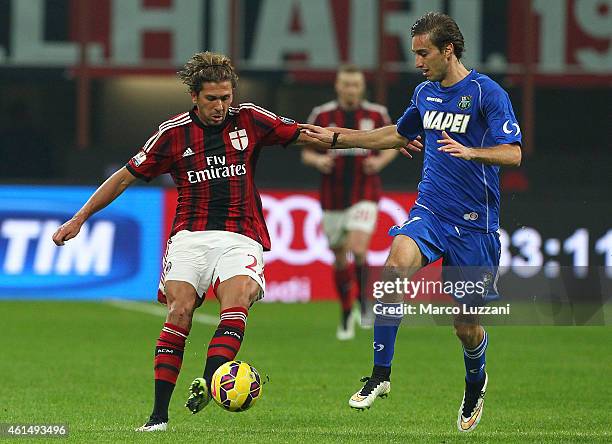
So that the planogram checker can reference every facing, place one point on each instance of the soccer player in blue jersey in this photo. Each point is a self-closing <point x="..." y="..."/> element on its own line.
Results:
<point x="469" y="131"/>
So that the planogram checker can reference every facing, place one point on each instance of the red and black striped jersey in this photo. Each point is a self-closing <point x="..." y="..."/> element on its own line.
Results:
<point x="347" y="183"/>
<point x="213" y="168"/>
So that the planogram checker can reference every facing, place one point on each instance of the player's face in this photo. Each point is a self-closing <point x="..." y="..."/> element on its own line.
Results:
<point x="213" y="101"/>
<point x="429" y="59"/>
<point x="350" y="87"/>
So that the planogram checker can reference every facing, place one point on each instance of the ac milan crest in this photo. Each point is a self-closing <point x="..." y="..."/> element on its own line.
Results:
<point x="239" y="139"/>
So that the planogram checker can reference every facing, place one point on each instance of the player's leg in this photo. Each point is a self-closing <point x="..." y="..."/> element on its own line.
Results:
<point x="343" y="280"/>
<point x="238" y="282"/>
<point x="472" y="257"/>
<point x="181" y="299"/>
<point x="474" y="340"/>
<point x="235" y="296"/>
<point x="334" y="228"/>
<point x="360" y="225"/>
<point x="405" y="258"/>
<point x="473" y="337"/>
<point x="181" y="273"/>
<point x="358" y="244"/>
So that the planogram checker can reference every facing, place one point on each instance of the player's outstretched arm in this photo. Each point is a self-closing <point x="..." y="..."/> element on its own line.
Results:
<point x="506" y="154"/>
<point x="383" y="138"/>
<point x="104" y="195"/>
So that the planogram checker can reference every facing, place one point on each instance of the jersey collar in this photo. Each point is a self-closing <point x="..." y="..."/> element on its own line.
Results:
<point x="212" y="128"/>
<point x="460" y="84"/>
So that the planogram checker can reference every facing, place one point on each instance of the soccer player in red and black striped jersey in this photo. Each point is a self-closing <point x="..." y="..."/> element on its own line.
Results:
<point x="350" y="188"/>
<point x="219" y="232"/>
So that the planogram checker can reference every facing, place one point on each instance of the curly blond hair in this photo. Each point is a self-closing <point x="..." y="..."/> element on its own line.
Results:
<point x="207" y="67"/>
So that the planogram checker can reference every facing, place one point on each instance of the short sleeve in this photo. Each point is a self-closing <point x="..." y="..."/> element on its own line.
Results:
<point x="410" y="124"/>
<point x="154" y="159"/>
<point x="273" y="129"/>
<point x="497" y="109"/>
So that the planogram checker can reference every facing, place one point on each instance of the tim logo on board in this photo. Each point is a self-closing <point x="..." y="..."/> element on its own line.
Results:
<point x="109" y="257"/>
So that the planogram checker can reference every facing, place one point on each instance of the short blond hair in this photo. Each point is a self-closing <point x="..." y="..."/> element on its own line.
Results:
<point x="349" y="68"/>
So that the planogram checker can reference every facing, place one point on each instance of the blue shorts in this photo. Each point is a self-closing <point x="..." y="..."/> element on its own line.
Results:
<point x="467" y="256"/>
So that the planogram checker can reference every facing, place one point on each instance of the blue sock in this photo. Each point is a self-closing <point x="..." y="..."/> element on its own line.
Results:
<point x="385" y="332"/>
<point x="475" y="360"/>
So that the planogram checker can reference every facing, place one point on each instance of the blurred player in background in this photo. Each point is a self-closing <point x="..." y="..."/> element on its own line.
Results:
<point x="456" y="215"/>
<point x="350" y="189"/>
<point x="219" y="232"/>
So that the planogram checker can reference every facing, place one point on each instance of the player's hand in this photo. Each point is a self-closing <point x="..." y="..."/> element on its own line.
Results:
<point x="67" y="231"/>
<point x="414" y="145"/>
<point x="325" y="163"/>
<point x="317" y="132"/>
<point x="454" y="148"/>
<point x="372" y="165"/>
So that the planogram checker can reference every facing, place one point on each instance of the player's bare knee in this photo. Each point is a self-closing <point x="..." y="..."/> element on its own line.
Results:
<point x="180" y="311"/>
<point x="181" y="300"/>
<point x="249" y="292"/>
<point x="360" y="255"/>
<point x="254" y="294"/>
<point x="359" y="249"/>
<point x="340" y="260"/>
<point x="395" y="268"/>
<point x="241" y="291"/>
<point x="405" y="254"/>
<point x="468" y="333"/>
<point x="398" y="261"/>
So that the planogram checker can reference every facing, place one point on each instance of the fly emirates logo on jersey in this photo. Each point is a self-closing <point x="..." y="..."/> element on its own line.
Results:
<point x="452" y="122"/>
<point x="217" y="169"/>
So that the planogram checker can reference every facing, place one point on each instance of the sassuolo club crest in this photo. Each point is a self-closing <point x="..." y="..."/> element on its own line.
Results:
<point x="465" y="102"/>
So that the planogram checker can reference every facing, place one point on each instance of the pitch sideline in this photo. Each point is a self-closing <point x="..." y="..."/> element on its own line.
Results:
<point x="144" y="307"/>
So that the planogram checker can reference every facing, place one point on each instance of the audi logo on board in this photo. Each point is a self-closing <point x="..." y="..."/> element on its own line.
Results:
<point x="294" y="223"/>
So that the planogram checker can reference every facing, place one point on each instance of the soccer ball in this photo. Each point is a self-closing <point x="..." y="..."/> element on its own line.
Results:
<point x="236" y="386"/>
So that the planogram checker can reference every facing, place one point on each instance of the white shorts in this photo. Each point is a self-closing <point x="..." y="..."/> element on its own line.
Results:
<point x="359" y="217"/>
<point x="205" y="258"/>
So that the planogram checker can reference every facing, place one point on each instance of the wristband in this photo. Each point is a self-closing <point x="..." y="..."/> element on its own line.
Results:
<point x="334" y="140"/>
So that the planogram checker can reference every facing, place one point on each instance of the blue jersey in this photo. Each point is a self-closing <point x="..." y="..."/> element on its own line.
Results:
<point x="475" y="112"/>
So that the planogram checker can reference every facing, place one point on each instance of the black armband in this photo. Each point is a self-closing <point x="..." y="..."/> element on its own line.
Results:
<point x="335" y="139"/>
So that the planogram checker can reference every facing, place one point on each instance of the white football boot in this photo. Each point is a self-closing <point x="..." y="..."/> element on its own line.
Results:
<point x="153" y="426"/>
<point x="470" y="411"/>
<point x="372" y="389"/>
<point x="348" y="333"/>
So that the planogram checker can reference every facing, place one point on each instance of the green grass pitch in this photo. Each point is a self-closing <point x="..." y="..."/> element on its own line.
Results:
<point x="90" y="365"/>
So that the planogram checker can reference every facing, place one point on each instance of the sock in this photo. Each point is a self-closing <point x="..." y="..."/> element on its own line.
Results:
<point x="385" y="332"/>
<point x="381" y="372"/>
<point x="361" y="273"/>
<point x="343" y="285"/>
<point x="475" y="360"/>
<point x="168" y="360"/>
<point x="226" y="341"/>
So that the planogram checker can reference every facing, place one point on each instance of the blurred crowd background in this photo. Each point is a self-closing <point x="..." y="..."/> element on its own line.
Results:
<point x="84" y="83"/>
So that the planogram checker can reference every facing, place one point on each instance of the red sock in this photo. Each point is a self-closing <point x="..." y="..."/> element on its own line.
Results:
<point x="168" y="360"/>
<point x="169" y="352"/>
<point x="343" y="279"/>
<point x="227" y="339"/>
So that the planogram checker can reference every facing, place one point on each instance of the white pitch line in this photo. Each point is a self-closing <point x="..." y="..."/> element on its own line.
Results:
<point x="143" y="307"/>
